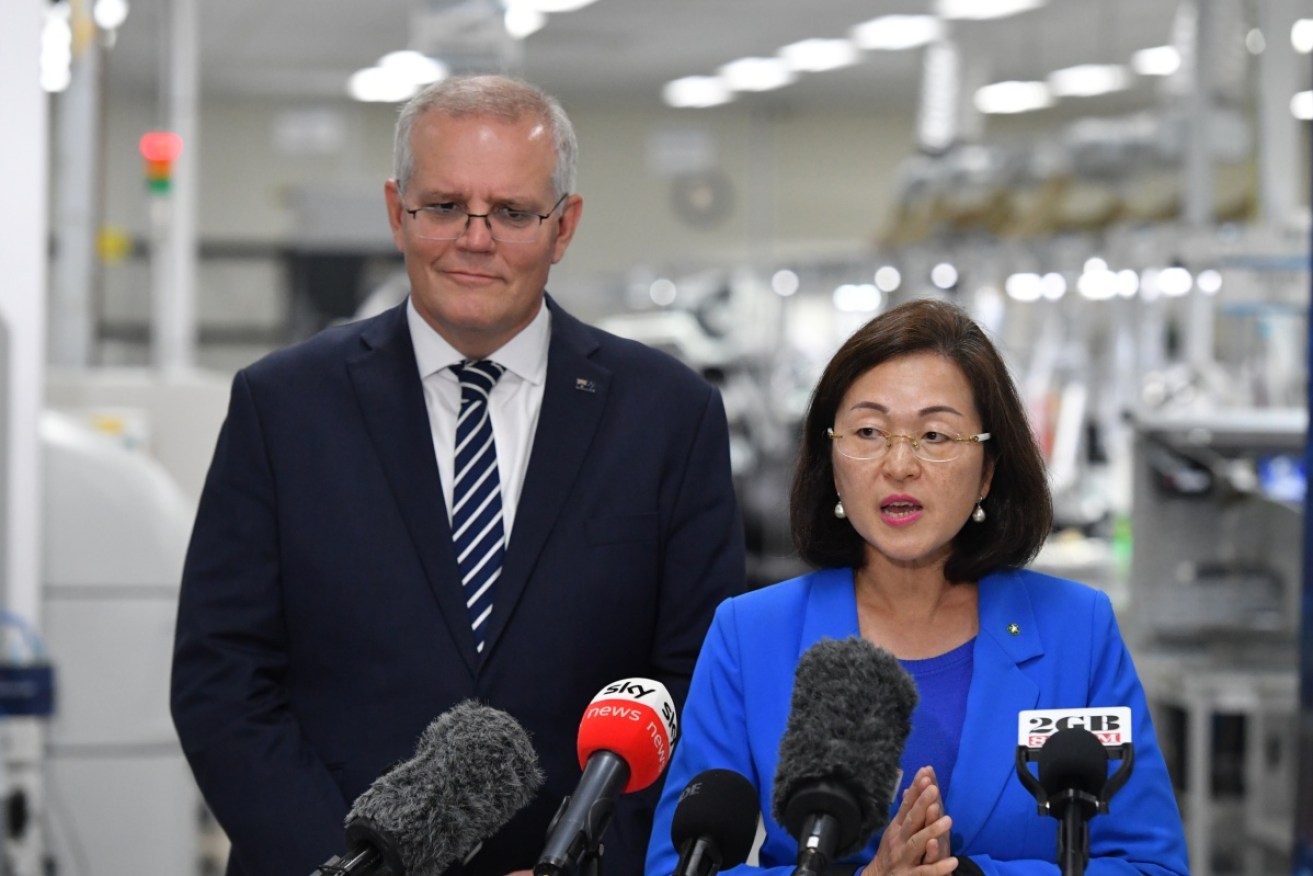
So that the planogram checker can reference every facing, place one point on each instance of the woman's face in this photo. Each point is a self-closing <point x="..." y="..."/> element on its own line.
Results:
<point x="908" y="509"/>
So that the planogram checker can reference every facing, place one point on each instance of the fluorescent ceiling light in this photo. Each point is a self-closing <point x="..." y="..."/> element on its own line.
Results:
<point x="1174" y="282"/>
<point x="857" y="298"/>
<point x="896" y="32"/>
<point x="757" y="74"/>
<point x="817" y="55"/>
<point x="696" y="91"/>
<point x="1301" y="106"/>
<point x="887" y="278"/>
<point x="56" y="48"/>
<point x="978" y="10"/>
<point x="1158" y="61"/>
<point x="556" y="5"/>
<point x="522" y="20"/>
<point x="376" y="85"/>
<point x="1013" y="97"/>
<point x="1209" y="281"/>
<point x="1098" y="284"/>
<point x="1052" y="286"/>
<point x="110" y="14"/>
<point x="1301" y="36"/>
<point x="412" y="66"/>
<point x="1023" y="287"/>
<point x="1087" y="80"/>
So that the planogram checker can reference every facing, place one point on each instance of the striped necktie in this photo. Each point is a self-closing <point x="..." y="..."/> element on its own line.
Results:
<point x="476" y="519"/>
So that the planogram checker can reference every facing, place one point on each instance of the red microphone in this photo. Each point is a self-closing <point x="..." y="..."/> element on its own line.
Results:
<point x="625" y="739"/>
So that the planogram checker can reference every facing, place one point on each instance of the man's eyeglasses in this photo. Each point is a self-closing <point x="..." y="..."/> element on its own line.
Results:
<point x="506" y="225"/>
<point x="867" y="442"/>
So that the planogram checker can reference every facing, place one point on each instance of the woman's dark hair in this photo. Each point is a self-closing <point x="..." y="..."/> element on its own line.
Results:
<point x="1019" y="510"/>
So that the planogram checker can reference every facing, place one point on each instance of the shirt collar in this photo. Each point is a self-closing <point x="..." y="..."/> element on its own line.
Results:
<point x="525" y="355"/>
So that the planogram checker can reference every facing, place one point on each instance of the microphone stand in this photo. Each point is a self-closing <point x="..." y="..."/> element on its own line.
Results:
<point x="1074" y="808"/>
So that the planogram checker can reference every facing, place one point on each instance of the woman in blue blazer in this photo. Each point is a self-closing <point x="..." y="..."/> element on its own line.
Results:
<point x="920" y="494"/>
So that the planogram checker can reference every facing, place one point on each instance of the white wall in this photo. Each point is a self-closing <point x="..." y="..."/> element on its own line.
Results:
<point x="804" y="182"/>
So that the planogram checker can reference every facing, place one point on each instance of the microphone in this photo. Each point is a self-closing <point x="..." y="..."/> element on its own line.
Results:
<point x="840" y="752"/>
<point x="715" y="822"/>
<point x="625" y="740"/>
<point x="473" y="768"/>
<point x="1072" y="748"/>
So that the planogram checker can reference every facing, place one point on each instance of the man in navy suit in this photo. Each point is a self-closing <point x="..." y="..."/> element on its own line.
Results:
<point x="323" y="620"/>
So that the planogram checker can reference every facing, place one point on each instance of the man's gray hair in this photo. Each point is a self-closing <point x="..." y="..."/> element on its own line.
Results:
<point x="501" y="97"/>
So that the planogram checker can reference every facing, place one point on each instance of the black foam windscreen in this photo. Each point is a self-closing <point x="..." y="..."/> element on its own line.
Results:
<point x="474" y="767"/>
<point x="720" y="805"/>
<point x="849" y="719"/>
<point x="1072" y="759"/>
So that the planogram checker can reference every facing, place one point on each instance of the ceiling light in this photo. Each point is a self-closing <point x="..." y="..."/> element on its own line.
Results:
<point x="857" y="298"/>
<point x="1013" y="97"/>
<point x="413" y="66"/>
<point x="1209" y="281"/>
<point x="1088" y="80"/>
<point x="377" y="85"/>
<point x="895" y="32"/>
<point x="522" y="20"/>
<point x="1301" y="106"/>
<point x="696" y="91"/>
<point x="1023" y="287"/>
<point x="663" y="292"/>
<point x="784" y="283"/>
<point x="1097" y="284"/>
<point x="110" y="14"/>
<point x="887" y="278"/>
<point x="557" y="5"/>
<point x="817" y="55"/>
<point x="757" y="74"/>
<point x="1301" y="36"/>
<point x="1174" y="282"/>
<point x="1158" y="61"/>
<point x="943" y="276"/>
<point x="1052" y="286"/>
<point x="1128" y="283"/>
<point x="56" y="48"/>
<point x="978" y="10"/>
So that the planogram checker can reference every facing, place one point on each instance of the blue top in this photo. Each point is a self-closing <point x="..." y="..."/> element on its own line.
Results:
<point x="942" y="683"/>
<point x="1043" y="643"/>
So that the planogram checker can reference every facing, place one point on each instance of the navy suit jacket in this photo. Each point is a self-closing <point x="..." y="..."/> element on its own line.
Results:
<point x="1043" y="643"/>
<point x="321" y="624"/>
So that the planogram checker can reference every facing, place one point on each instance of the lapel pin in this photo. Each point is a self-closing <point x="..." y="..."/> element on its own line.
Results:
<point x="584" y="385"/>
<point x="1014" y="629"/>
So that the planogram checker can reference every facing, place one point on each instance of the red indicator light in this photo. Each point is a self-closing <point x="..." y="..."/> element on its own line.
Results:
<point x="160" y="146"/>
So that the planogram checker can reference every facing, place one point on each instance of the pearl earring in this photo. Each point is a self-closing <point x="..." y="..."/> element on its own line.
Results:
<point x="838" y="510"/>
<point x="978" y="515"/>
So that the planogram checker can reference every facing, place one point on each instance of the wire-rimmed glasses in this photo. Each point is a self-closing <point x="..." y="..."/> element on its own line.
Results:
<point x="448" y="221"/>
<point x="868" y="442"/>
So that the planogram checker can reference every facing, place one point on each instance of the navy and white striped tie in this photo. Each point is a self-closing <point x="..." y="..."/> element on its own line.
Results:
<point x="476" y="518"/>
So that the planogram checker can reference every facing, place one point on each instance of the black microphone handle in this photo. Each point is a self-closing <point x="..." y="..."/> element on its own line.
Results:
<point x="817" y="843"/>
<point x="584" y="815"/>
<point x="698" y="858"/>
<point x="1073" y="840"/>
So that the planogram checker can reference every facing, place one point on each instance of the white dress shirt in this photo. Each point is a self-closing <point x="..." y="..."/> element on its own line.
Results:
<point x="513" y="406"/>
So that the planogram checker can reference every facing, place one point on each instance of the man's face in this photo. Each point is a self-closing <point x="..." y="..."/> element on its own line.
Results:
<point x="475" y="291"/>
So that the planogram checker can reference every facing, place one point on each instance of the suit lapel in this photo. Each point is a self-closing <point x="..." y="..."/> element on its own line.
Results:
<point x="391" y="398"/>
<point x="574" y="397"/>
<point x="985" y="766"/>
